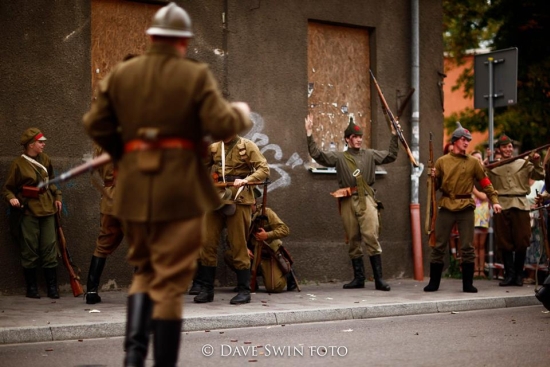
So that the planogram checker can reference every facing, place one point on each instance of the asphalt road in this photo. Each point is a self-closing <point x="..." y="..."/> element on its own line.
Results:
<point x="497" y="337"/>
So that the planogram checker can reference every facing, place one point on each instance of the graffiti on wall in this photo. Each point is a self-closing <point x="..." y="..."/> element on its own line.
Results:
<point x="279" y="171"/>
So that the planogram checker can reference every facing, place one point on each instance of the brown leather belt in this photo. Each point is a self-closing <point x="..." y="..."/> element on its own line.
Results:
<point x="458" y="196"/>
<point x="166" y="143"/>
<point x="229" y="178"/>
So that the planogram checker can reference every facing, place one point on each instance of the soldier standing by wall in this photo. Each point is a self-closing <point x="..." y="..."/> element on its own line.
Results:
<point x="355" y="170"/>
<point x="455" y="173"/>
<point x="513" y="225"/>
<point x="36" y="227"/>
<point x="237" y="160"/>
<point x="150" y="115"/>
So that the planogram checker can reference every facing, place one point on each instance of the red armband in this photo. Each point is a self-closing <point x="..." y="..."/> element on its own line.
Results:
<point x="485" y="182"/>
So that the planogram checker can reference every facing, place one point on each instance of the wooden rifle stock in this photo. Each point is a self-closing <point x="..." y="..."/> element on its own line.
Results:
<point x="78" y="170"/>
<point x="511" y="159"/>
<point x="431" y="207"/>
<point x="67" y="260"/>
<point x="258" y="244"/>
<point x="393" y="121"/>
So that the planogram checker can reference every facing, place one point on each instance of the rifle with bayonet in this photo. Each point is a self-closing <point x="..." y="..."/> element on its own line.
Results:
<point x="431" y="207"/>
<point x="78" y="170"/>
<point x="511" y="159"/>
<point x="394" y="122"/>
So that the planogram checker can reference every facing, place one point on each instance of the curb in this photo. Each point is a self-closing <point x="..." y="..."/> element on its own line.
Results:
<point x="117" y="329"/>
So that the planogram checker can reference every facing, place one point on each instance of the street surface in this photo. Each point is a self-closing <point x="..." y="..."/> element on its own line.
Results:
<point x="497" y="337"/>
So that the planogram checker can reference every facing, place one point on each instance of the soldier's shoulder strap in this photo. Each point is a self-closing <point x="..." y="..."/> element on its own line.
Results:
<point x="243" y="152"/>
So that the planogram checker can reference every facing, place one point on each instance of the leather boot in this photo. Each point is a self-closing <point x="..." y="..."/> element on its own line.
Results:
<point x="358" y="274"/>
<point x="436" y="269"/>
<point x="138" y="327"/>
<point x="51" y="282"/>
<point x="543" y="294"/>
<point x="166" y="342"/>
<point x="519" y="262"/>
<point x="94" y="274"/>
<point x="30" y="281"/>
<point x="195" y="286"/>
<point x="379" y="283"/>
<point x="509" y="271"/>
<point x="207" y="274"/>
<point x="290" y="282"/>
<point x="468" y="278"/>
<point x="243" y="283"/>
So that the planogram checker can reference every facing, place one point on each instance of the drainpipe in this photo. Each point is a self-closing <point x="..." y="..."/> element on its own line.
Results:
<point x="415" y="125"/>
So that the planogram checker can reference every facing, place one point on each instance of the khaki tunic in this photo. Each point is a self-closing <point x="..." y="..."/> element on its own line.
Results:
<point x="162" y="194"/>
<point x="512" y="225"/>
<point x="243" y="159"/>
<point x="361" y="222"/>
<point x="455" y="175"/>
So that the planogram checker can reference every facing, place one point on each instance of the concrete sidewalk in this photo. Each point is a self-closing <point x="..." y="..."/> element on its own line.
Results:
<point x="24" y="320"/>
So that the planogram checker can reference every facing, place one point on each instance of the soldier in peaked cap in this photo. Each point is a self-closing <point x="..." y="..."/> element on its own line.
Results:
<point x="455" y="175"/>
<point x="151" y="115"/>
<point x="513" y="225"/>
<point x="35" y="225"/>
<point x="355" y="172"/>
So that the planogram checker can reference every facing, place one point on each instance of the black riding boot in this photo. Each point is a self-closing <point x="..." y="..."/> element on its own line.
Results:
<point x="379" y="283"/>
<point x="166" y="342"/>
<point x="358" y="274"/>
<point x="290" y="282"/>
<point x="51" y="282"/>
<point x="94" y="274"/>
<point x="207" y="274"/>
<point x="509" y="271"/>
<point x="468" y="278"/>
<point x="243" y="283"/>
<point x="543" y="294"/>
<point x="30" y="281"/>
<point x="195" y="286"/>
<point x="436" y="269"/>
<point x="519" y="262"/>
<point x="138" y="328"/>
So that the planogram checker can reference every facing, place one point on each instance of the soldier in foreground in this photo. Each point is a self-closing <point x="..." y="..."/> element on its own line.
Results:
<point x="455" y="173"/>
<point x="355" y="172"/>
<point x="150" y="115"/>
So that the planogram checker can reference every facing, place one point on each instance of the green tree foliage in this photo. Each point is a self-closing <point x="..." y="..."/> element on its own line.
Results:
<point x="497" y="25"/>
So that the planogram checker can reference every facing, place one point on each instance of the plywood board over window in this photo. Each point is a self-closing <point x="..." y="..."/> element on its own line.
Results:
<point x="118" y="30"/>
<point x="339" y="84"/>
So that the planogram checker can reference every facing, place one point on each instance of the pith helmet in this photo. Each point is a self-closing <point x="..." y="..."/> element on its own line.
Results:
<point x="352" y="129"/>
<point x="503" y="140"/>
<point x="171" y="21"/>
<point x="460" y="132"/>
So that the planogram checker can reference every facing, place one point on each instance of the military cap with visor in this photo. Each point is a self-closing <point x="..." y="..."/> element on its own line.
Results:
<point x="460" y="132"/>
<point x="31" y="135"/>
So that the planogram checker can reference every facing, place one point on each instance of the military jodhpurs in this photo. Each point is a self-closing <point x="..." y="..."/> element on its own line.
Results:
<point x="165" y="254"/>
<point x="238" y="228"/>
<point x="512" y="230"/>
<point x="443" y="227"/>
<point x="361" y="226"/>
<point x="38" y="242"/>
<point x="110" y="235"/>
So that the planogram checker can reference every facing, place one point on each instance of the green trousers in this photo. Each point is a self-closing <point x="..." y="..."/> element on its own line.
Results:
<point x="38" y="242"/>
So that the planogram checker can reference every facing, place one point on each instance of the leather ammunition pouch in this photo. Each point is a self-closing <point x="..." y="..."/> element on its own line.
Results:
<point x="281" y="256"/>
<point x="32" y="192"/>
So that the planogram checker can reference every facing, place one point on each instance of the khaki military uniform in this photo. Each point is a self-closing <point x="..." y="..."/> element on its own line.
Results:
<point x="513" y="224"/>
<point x="359" y="213"/>
<point x="243" y="160"/>
<point x="274" y="279"/>
<point x="110" y="227"/>
<point x="455" y="176"/>
<point x="150" y="115"/>
<point x="38" y="230"/>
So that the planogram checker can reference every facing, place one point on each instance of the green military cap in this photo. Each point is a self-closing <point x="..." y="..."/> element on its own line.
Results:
<point x="503" y="140"/>
<point x="460" y="132"/>
<point x="352" y="129"/>
<point x="30" y="135"/>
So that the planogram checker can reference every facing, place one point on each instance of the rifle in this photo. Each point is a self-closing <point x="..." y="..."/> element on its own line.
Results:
<point x="259" y="223"/>
<point x="389" y="115"/>
<point x="252" y="183"/>
<point x="511" y="159"/>
<point x="67" y="260"/>
<point x="431" y="207"/>
<point x="78" y="170"/>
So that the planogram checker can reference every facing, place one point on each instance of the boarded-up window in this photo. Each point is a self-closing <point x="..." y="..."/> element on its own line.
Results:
<point x="118" y="29"/>
<point x="339" y="83"/>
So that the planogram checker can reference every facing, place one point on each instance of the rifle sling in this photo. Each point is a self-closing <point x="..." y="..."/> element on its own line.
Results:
<point x="360" y="181"/>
